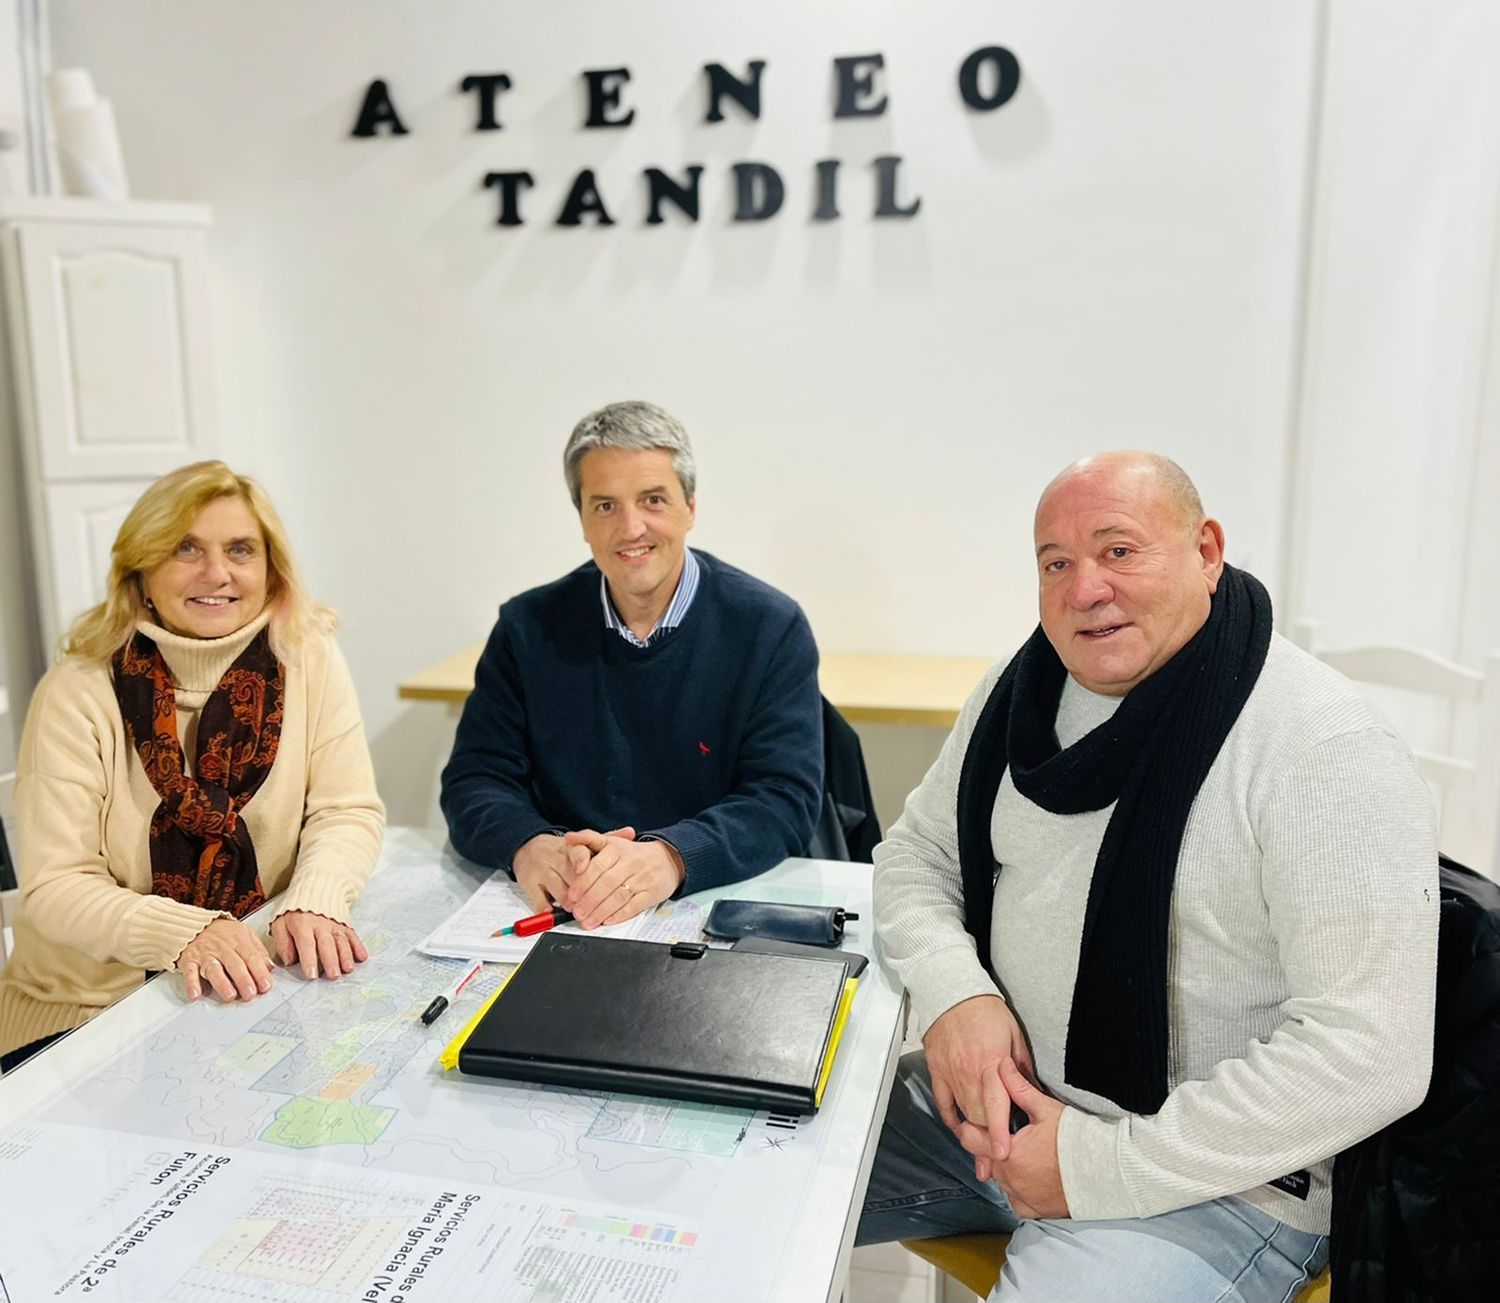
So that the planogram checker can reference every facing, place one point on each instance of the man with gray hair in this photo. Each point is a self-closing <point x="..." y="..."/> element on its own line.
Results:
<point x="1169" y="896"/>
<point x="650" y="723"/>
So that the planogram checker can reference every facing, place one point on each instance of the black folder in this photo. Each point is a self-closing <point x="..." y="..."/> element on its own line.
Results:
<point x="681" y="1021"/>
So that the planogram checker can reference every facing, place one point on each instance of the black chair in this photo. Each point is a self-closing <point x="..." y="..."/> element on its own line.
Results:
<point x="848" y="828"/>
<point x="1414" y="1205"/>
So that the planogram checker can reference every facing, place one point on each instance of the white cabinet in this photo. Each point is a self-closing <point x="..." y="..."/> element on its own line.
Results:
<point x="82" y="520"/>
<point x="107" y="309"/>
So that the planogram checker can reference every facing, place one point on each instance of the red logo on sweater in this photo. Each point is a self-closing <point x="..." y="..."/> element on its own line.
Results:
<point x="703" y="748"/>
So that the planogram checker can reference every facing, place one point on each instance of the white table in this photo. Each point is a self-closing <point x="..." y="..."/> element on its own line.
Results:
<point x="796" y="1246"/>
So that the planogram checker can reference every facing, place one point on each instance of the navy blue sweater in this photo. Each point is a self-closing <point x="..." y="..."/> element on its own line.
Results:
<point x="710" y="738"/>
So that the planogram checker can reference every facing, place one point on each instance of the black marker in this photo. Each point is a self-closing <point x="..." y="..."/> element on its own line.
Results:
<point x="434" y="1011"/>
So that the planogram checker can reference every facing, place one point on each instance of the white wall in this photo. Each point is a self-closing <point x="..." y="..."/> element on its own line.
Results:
<point x="1109" y="260"/>
<point x="1258" y="237"/>
<point x="13" y="171"/>
<point x="1399" y="328"/>
<point x="19" y="660"/>
<point x="18" y="668"/>
<point x="1392" y="527"/>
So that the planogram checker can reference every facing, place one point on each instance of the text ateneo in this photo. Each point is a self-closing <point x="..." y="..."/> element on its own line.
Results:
<point x="985" y="80"/>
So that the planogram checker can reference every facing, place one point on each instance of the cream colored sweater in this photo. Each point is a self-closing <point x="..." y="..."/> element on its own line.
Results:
<point x="88" y="927"/>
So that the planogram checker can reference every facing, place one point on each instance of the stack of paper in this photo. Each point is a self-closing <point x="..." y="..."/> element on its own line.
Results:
<point x="469" y="933"/>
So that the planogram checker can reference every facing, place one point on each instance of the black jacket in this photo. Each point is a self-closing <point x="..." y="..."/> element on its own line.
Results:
<point x="847" y="827"/>
<point x="1416" y="1207"/>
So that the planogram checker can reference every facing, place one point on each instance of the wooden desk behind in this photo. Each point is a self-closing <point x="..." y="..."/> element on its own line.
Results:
<point x="867" y="687"/>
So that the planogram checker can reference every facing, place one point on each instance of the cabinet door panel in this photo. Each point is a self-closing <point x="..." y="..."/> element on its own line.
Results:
<point x="117" y="321"/>
<point x="82" y="521"/>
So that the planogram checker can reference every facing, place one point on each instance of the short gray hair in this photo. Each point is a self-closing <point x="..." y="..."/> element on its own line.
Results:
<point x="638" y="427"/>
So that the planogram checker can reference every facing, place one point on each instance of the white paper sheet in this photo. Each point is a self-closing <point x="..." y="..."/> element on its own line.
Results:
<point x="172" y="1225"/>
<point x="498" y="903"/>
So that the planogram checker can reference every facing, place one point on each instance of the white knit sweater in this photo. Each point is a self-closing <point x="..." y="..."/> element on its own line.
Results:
<point x="1302" y="960"/>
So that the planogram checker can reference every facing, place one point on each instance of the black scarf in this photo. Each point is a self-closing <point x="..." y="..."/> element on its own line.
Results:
<point x="1151" y="757"/>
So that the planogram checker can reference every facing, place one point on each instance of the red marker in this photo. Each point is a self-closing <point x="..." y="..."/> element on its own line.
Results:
<point x="535" y="923"/>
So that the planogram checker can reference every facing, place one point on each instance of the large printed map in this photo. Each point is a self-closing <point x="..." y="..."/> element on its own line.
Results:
<point x="310" y="1135"/>
<point x="347" y="1069"/>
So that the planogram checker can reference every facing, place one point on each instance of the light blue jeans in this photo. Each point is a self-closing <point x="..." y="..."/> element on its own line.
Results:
<point x="1221" y="1252"/>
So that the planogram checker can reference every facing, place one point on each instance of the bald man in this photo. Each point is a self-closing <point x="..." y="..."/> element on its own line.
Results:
<point x="1169" y="898"/>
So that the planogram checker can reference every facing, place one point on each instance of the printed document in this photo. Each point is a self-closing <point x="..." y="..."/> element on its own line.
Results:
<point x="499" y="902"/>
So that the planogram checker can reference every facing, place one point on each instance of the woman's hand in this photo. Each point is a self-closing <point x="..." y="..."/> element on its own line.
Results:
<point x="317" y="941"/>
<point x="230" y="958"/>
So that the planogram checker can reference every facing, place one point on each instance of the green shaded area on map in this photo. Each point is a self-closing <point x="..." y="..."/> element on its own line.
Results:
<point x="308" y="1123"/>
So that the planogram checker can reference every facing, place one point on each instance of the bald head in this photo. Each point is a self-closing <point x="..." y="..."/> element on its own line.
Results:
<point x="1138" y="475"/>
<point x="1127" y="565"/>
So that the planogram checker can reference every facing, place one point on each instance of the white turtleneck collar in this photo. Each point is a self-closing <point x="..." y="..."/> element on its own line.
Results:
<point x="197" y="664"/>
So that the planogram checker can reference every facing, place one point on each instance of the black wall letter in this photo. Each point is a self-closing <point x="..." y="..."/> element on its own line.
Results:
<point x="584" y="198"/>
<point x="750" y="206"/>
<point x="1007" y="77"/>
<point x="856" y="83"/>
<point x="489" y="85"/>
<point x="377" y="109"/>
<point x="828" y="176"/>
<point x="509" y="184"/>
<point x="604" y="94"/>
<point x="885" y="202"/>
<point x="665" y="188"/>
<point x="722" y="82"/>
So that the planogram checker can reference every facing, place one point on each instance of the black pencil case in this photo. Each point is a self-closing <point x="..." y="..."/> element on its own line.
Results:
<point x="810" y="925"/>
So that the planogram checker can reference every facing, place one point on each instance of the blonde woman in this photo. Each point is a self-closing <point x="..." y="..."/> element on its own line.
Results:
<point x="197" y="751"/>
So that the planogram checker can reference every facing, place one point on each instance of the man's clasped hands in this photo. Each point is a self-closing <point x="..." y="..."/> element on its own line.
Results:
<point x="598" y="877"/>
<point x="980" y="1066"/>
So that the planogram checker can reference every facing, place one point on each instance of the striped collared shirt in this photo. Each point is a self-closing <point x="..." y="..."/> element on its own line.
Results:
<point x="677" y="608"/>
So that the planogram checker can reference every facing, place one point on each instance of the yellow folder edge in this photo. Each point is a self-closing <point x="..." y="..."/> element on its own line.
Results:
<point x="840" y="1018"/>
<point x="449" y="1057"/>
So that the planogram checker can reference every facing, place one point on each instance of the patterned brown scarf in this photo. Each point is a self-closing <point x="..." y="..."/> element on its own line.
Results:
<point x="201" y="853"/>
